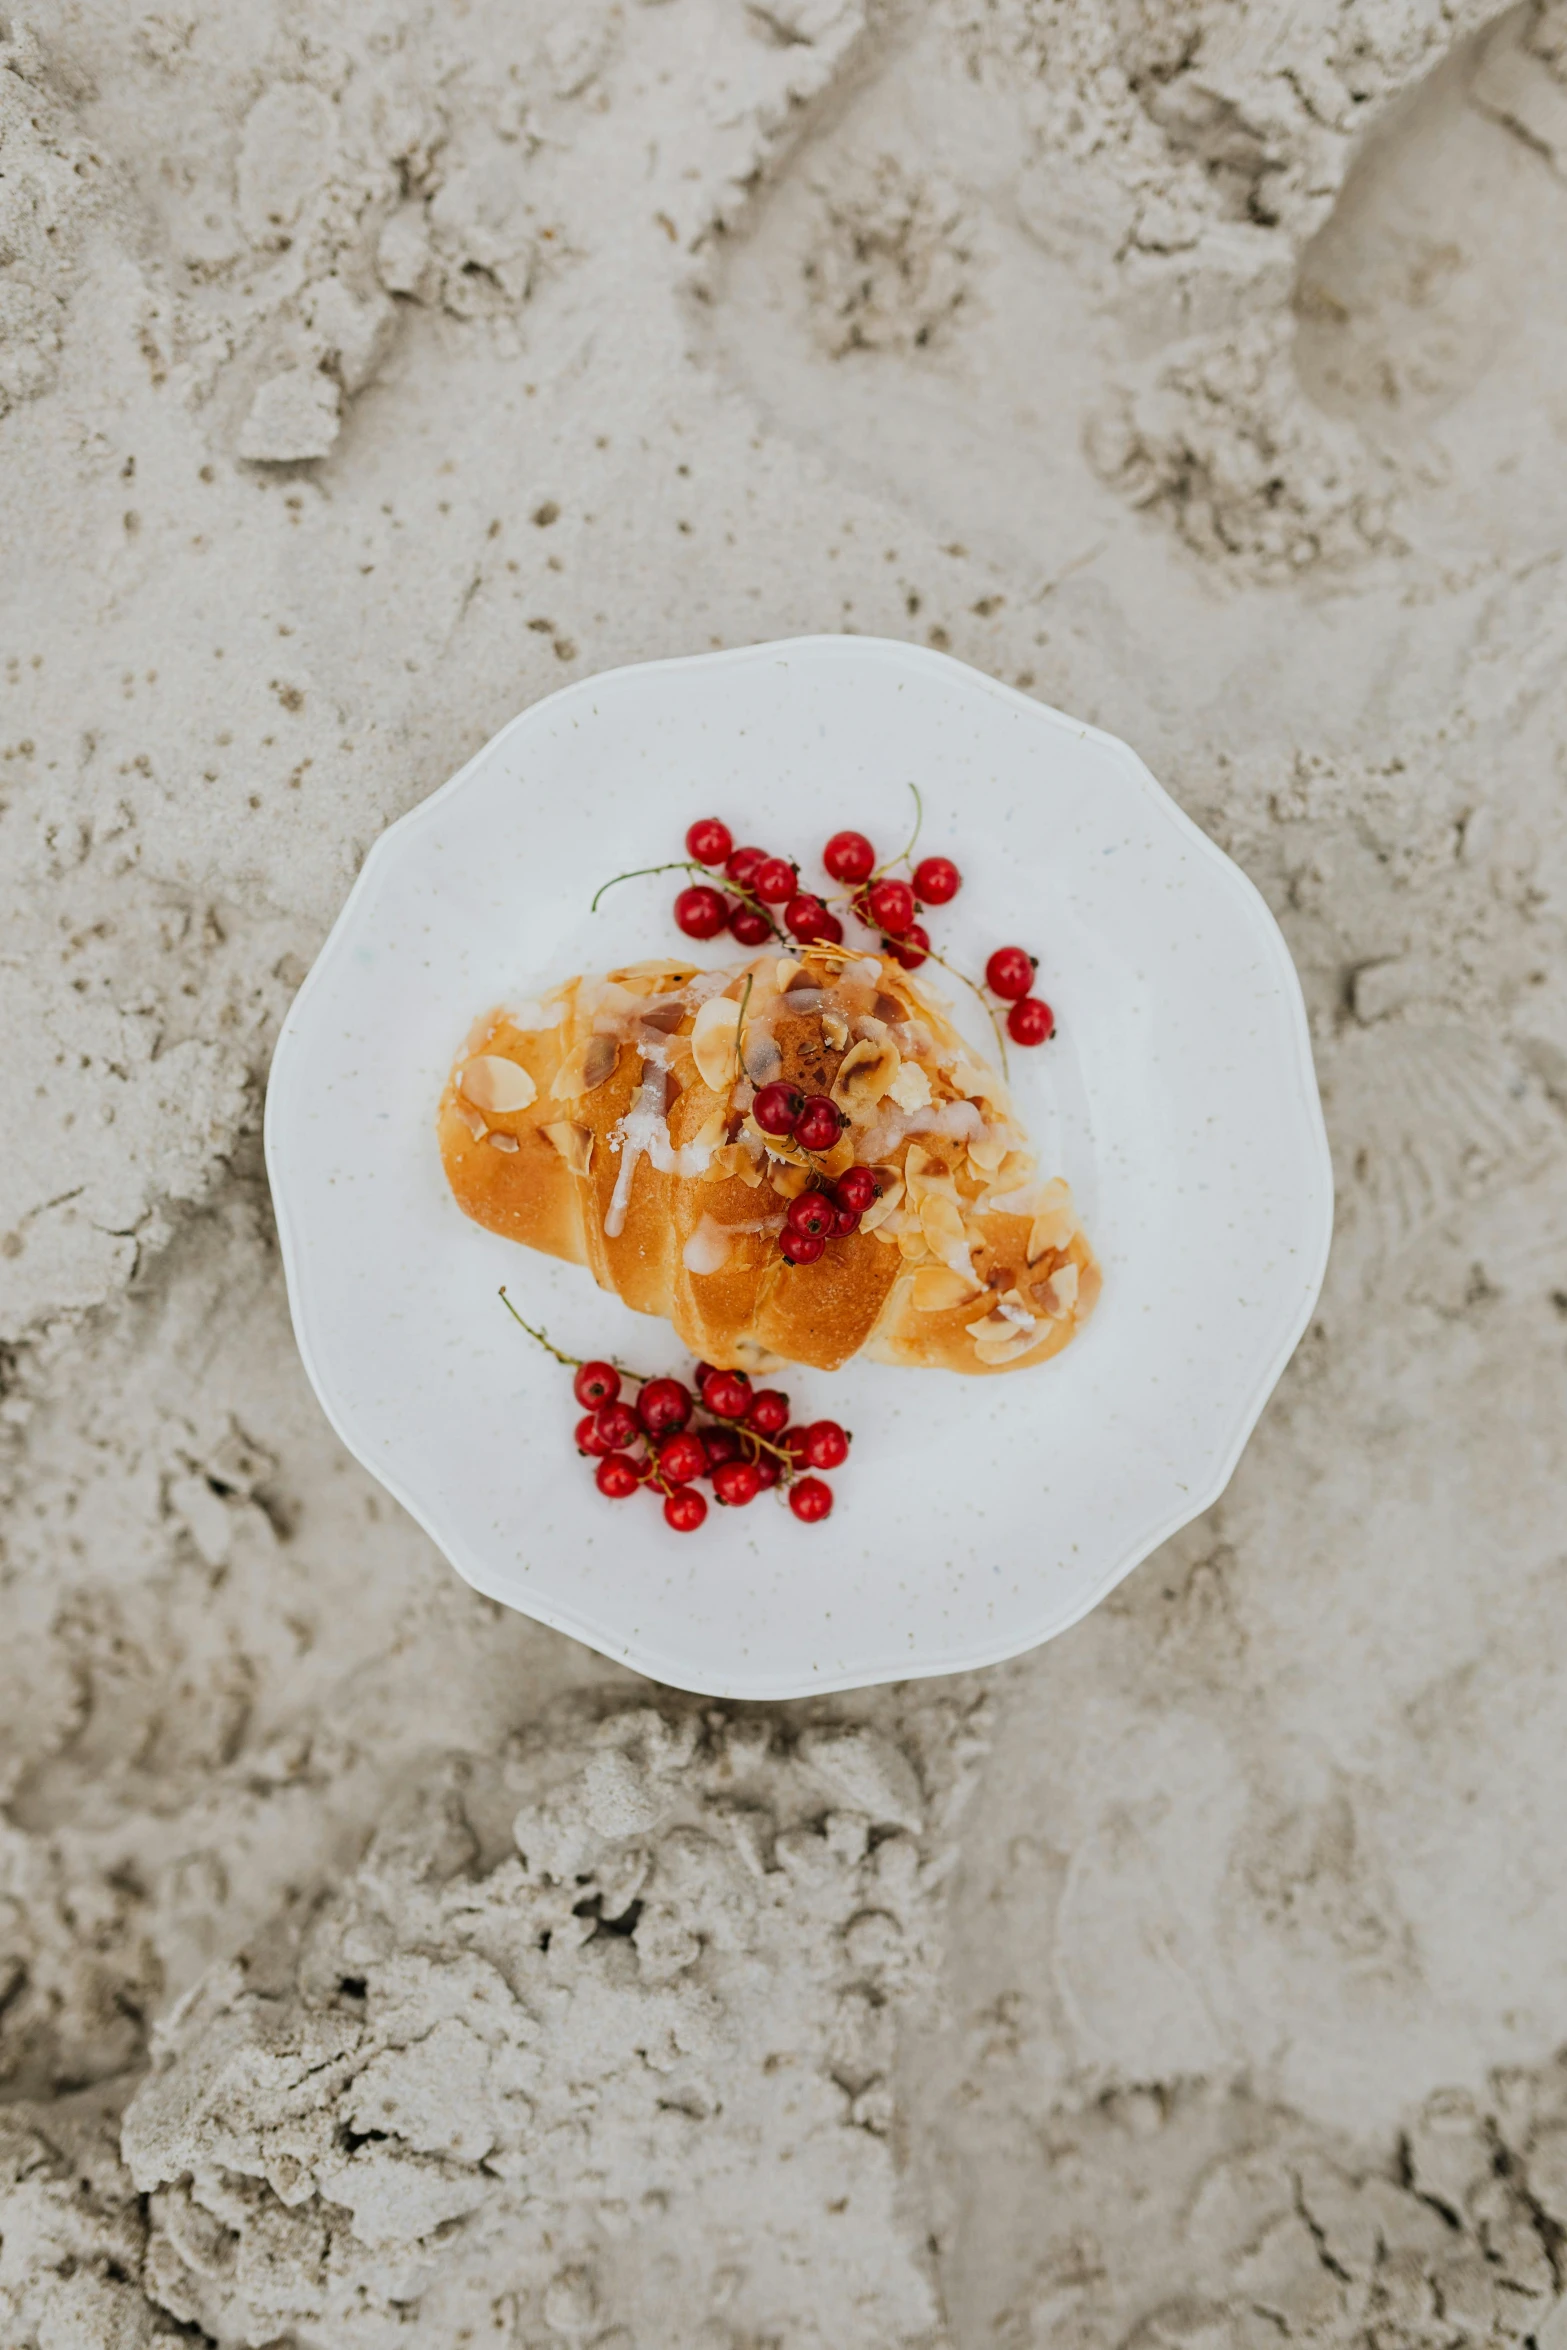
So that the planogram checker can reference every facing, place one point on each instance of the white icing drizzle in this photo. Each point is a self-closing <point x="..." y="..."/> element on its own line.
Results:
<point x="644" y="1133"/>
<point x="707" y="1250"/>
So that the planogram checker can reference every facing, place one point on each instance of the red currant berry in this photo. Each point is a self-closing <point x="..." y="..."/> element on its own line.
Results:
<point x="663" y="1406"/>
<point x="767" y="1471"/>
<point x="810" y="1500"/>
<point x="819" y="1124"/>
<point x="795" y="1443"/>
<point x="849" y="856"/>
<point x="596" y="1383"/>
<point x="775" y="882"/>
<point x="936" y="881"/>
<point x="750" y="925"/>
<point x="813" y="1214"/>
<point x="684" y="1509"/>
<point x="709" y="841"/>
<point x="856" y="1189"/>
<point x="808" y="919"/>
<point x="727" y="1395"/>
<point x="701" y="912"/>
<point x="721" y="1444"/>
<point x="892" y="904"/>
<point x="777" y="1106"/>
<point x="800" y="1248"/>
<point x="741" y="867"/>
<point x="826" y="1446"/>
<point x="1031" y="1022"/>
<point x="702" y="1373"/>
<point x="682" y="1457"/>
<point x="1010" y="973"/>
<point x="736" y="1483"/>
<point x="912" y="949"/>
<point x="588" y="1438"/>
<point x="845" y="1221"/>
<point x="617" y="1476"/>
<point x="769" y="1412"/>
<point x="617" y="1425"/>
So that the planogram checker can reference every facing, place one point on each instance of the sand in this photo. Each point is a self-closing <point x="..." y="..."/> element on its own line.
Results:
<point x="376" y="1967"/>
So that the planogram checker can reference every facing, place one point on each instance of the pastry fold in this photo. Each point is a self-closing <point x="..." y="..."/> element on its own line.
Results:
<point x="610" y="1126"/>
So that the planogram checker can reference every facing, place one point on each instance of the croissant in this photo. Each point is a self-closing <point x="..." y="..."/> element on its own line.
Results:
<point x="611" y="1126"/>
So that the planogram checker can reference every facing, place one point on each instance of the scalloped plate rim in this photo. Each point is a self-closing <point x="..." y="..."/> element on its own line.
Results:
<point x="648" y="1657"/>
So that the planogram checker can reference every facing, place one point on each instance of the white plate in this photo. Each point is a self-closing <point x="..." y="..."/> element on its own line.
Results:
<point x="975" y="1517"/>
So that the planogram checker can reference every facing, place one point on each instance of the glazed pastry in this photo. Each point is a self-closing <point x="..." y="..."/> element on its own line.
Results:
<point x="612" y="1126"/>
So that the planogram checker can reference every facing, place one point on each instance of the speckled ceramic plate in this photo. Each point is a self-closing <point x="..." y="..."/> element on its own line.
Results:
<point x="976" y="1516"/>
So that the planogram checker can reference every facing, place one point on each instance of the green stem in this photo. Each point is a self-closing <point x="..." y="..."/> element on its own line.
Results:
<point x="745" y="998"/>
<point x="675" y="865"/>
<point x="573" y="1362"/>
<point x="904" y="854"/>
<point x="707" y="873"/>
<point x="990" y="1009"/>
<point x="779" y="1451"/>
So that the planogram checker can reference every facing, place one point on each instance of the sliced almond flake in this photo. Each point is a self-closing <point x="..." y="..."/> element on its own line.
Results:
<point x="1055" y="1220"/>
<point x="713" y="1039"/>
<point x="866" y="1072"/>
<point x="759" y="1055"/>
<point x="891" y="1196"/>
<point x="929" y="1176"/>
<point x="495" y="1084"/>
<point x="735" y="1159"/>
<point x="786" y="971"/>
<point x="777" y="1146"/>
<point x="993" y="1326"/>
<point x="471" y="1119"/>
<point x="987" y="1152"/>
<point x="788" y="1181"/>
<point x="574" y="1143"/>
<point x="883" y="1232"/>
<point x="585" y="1068"/>
<point x="910" y="1087"/>
<point x="980" y="1084"/>
<point x="502" y="1142"/>
<point x="1002" y="1351"/>
<point x="839" y="1159"/>
<point x="1062" y="1286"/>
<point x="937" y="1289"/>
<point x="911" y="1240"/>
<point x="709" y="1135"/>
<point x="836" y="1030"/>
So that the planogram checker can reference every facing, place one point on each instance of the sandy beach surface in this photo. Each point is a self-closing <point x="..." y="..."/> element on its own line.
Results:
<point x="377" y="1968"/>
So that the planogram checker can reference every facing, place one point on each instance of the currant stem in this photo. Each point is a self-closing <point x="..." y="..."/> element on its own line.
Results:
<point x="904" y="854"/>
<point x="713" y="875"/>
<point x="573" y="1362"/>
<point x="638" y="872"/>
<point x="990" y="1009"/>
<point x="777" y="1450"/>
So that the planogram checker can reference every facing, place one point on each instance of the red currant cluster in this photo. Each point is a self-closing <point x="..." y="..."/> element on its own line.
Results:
<point x="759" y="883"/>
<point x="746" y="1446"/>
<point x="814" y="1217"/>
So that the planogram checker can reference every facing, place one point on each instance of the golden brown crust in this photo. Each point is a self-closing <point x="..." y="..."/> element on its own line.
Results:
<point x="645" y="1064"/>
